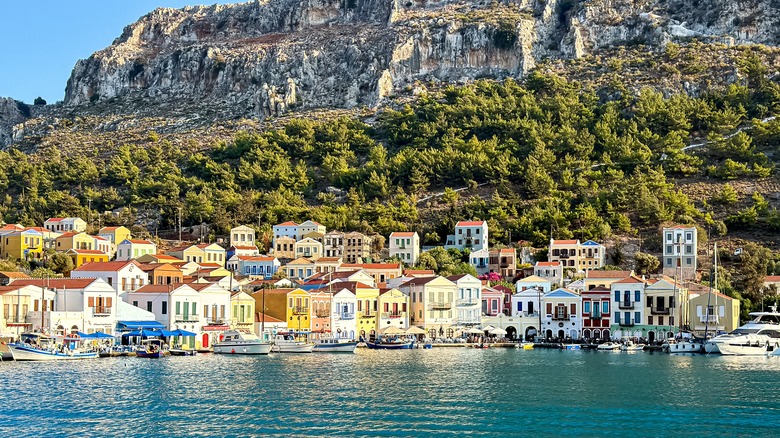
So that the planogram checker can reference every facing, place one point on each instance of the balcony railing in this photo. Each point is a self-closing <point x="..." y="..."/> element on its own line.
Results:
<point x="532" y="314"/>
<point x="564" y="256"/>
<point x="467" y="302"/>
<point x="186" y="318"/>
<point x="441" y="306"/>
<point x="368" y="315"/>
<point x="322" y="314"/>
<point x="626" y="304"/>
<point x="300" y="310"/>
<point x="595" y="316"/>
<point x="346" y="316"/>
<point x="15" y="319"/>
<point x="393" y="314"/>
<point x="709" y="318"/>
<point x="560" y="317"/>
<point x="660" y="310"/>
<point x="216" y="321"/>
<point x="626" y="323"/>
<point x="101" y="311"/>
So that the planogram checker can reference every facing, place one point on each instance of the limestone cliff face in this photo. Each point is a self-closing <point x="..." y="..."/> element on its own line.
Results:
<point x="264" y="57"/>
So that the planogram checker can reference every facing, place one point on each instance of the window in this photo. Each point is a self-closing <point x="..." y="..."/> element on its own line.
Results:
<point x="586" y="306"/>
<point x="668" y="237"/>
<point x="660" y="320"/>
<point x="519" y="306"/>
<point x="637" y="298"/>
<point x="617" y="317"/>
<point x="178" y="308"/>
<point x="649" y="320"/>
<point x="135" y="303"/>
<point x="149" y="306"/>
<point x="164" y="308"/>
<point x="669" y="249"/>
<point x="617" y="295"/>
<point x="637" y="317"/>
<point x="688" y="237"/>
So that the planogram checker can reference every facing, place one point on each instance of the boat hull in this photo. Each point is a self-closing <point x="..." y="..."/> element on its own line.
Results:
<point x="178" y="352"/>
<point x="293" y="348"/>
<point x="742" y="350"/>
<point x="32" y="354"/>
<point x="686" y="347"/>
<point x="247" y="347"/>
<point x="344" y="347"/>
<point x="402" y="346"/>
<point x="149" y="355"/>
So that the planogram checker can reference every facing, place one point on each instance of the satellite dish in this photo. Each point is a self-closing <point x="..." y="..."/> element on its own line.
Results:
<point x="738" y="251"/>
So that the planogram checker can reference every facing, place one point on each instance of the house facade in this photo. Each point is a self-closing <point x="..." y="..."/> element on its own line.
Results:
<point x="343" y="313"/>
<point x="480" y="260"/>
<point x="503" y="262"/>
<point x="309" y="248"/>
<point x="357" y="247"/>
<point x="298" y="310"/>
<point x="714" y="313"/>
<point x="561" y="318"/>
<point x="129" y="249"/>
<point x="469" y="234"/>
<point x="680" y="251"/>
<point x="114" y="234"/>
<point x="67" y="224"/>
<point x="628" y="308"/>
<point x="393" y="309"/>
<point x="122" y="276"/>
<point x="405" y="246"/>
<point x="284" y="247"/>
<point x="242" y="235"/>
<point x="432" y="302"/>
<point x="468" y="301"/>
<point x="596" y="313"/>
<point x="550" y="271"/>
<point x="333" y="243"/>
<point x="309" y="226"/>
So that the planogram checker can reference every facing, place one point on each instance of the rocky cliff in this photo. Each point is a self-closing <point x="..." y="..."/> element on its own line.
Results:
<point x="263" y="58"/>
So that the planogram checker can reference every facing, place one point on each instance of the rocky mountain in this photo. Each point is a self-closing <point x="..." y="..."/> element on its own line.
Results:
<point x="262" y="58"/>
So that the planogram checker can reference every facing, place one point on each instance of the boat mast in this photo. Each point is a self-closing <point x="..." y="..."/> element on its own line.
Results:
<point x="714" y="273"/>
<point x="262" y="320"/>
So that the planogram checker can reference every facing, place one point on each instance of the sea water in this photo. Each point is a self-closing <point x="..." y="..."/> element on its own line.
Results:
<point x="417" y="393"/>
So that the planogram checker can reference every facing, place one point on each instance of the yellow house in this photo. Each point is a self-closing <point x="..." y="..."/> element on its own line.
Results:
<point x="298" y="314"/>
<point x="723" y="314"/>
<point x="74" y="241"/>
<point x="25" y="244"/>
<point x="393" y="309"/>
<point x="158" y="258"/>
<point x="202" y="253"/>
<point x="84" y="256"/>
<point x="367" y="308"/>
<point x="115" y="235"/>
<point x="242" y="316"/>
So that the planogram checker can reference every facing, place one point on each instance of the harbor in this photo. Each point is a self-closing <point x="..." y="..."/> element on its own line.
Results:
<point x="500" y="391"/>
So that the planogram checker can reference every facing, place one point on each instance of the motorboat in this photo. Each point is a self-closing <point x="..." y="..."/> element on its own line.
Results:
<point x="526" y="345"/>
<point x="572" y="347"/>
<point x="150" y="348"/>
<point x="608" y="346"/>
<point x="288" y="344"/>
<point x="390" y="344"/>
<point x="40" y="347"/>
<point x="765" y="341"/>
<point x="236" y="342"/>
<point x="763" y="324"/>
<point x="182" y="352"/>
<point x="334" y="345"/>
<point x="629" y="345"/>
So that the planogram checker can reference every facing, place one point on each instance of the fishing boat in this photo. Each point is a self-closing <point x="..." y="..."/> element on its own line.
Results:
<point x="629" y="346"/>
<point x="390" y="344"/>
<point x="288" y="344"/>
<point x="150" y="348"/>
<point x="236" y="342"/>
<point x="608" y="346"/>
<point x="40" y="347"/>
<point x="334" y="345"/>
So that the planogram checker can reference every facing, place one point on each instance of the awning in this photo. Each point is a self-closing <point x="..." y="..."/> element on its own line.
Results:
<point x="215" y="328"/>
<point x="180" y="332"/>
<point x="136" y="325"/>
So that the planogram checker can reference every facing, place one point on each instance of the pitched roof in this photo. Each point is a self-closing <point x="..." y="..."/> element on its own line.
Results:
<point x="328" y="259"/>
<point x="564" y="242"/>
<point x="772" y="278"/>
<point x="352" y="285"/>
<point x="372" y="265"/>
<point x="141" y="242"/>
<point x="242" y="247"/>
<point x="469" y="223"/>
<point x="344" y="274"/>
<point x="104" y="266"/>
<point x="598" y="289"/>
<point x="629" y="280"/>
<point x="155" y="288"/>
<point x="108" y="229"/>
<point x="258" y="258"/>
<point x="56" y="283"/>
<point x="591" y="243"/>
<point x="262" y="317"/>
<point x="534" y="279"/>
<point x="164" y="257"/>
<point x="548" y="263"/>
<point x="418" y="272"/>
<point x="88" y="252"/>
<point x="13" y="274"/>
<point x="607" y="274"/>
<point x="55" y="219"/>
<point x="455" y="278"/>
<point x="402" y="234"/>
<point x="561" y="293"/>
<point x="507" y="251"/>
<point x="419" y="281"/>
<point x="287" y="224"/>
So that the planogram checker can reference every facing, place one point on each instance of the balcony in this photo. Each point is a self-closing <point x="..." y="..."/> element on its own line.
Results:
<point x="595" y="316"/>
<point x="300" y="310"/>
<point x="346" y="316"/>
<point x="15" y="319"/>
<point x="531" y="315"/>
<point x="626" y="323"/>
<point x="563" y="317"/>
<point x="468" y="302"/>
<point x="215" y="321"/>
<point x="626" y="304"/>
<point x="185" y="318"/>
<point x="660" y="311"/>
<point x="441" y="306"/>
<point x="564" y="256"/>
<point x="367" y="315"/>
<point x="101" y="311"/>
<point x="709" y="319"/>
<point x="322" y="314"/>
<point x="391" y="315"/>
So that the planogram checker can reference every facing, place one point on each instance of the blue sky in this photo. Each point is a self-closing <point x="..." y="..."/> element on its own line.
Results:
<point x="41" y="40"/>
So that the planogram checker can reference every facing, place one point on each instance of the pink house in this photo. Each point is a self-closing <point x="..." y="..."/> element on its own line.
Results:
<point x="492" y="301"/>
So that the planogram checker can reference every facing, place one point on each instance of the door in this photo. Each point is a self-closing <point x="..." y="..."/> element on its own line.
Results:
<point x="205" y="341"/>
<point x="186" y="312"/>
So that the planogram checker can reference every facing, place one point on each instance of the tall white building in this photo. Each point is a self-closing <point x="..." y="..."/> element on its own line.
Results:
<point x="405" y="245"/>
<point x="679" y="251"/>
<point x="469" y="234"/>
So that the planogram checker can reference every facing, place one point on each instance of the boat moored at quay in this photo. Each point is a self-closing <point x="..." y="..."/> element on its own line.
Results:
<point x="40" y="347"/>
<point x="236" y="342"/>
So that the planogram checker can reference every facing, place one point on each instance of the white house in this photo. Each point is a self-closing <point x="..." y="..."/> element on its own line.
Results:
<point x="242" y="235"/>
<point x="550" y="271"/>
<point x="468" y="299"/>
<point x="533" y="282"/>
<point x="405" y="246"/>
<point x="215" y="316"/>
<point x="62" y="225"/>
<point x="562" y="314"/>
<point x="104" y="245"/>
<point x="123" y="276"/>
<point x="680" y="251"/>
<point x="469" y="234"/>
<point x="176" y="306"/>
<point x="628" y="305"/>
<point x="480" y="260"/>
<point x="525" y="306"/>
<point x="129" y="249"/>
<point x="343" y="322"/>
<point x="310" y="227"/>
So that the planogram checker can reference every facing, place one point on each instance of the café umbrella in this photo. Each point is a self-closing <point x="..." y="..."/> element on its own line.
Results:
<point x="498" y="331"/>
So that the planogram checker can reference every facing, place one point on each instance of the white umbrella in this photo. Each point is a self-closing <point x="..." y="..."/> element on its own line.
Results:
<point x="475" y="331"/>
<point x="393" y="330"/>
<point x="498" y="331"/>
<point x="488" y="328"/>
<point x="414" y="330"/>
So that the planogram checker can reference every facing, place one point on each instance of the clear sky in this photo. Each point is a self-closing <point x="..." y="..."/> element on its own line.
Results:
<point x="41" y="40"/>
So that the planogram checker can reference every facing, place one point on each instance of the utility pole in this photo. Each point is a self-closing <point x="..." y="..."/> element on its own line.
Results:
<point x="179" y="225"/>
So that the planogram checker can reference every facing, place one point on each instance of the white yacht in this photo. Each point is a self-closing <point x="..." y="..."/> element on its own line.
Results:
<point x="288" y="344"/>
<point x="763" y="329"/>
<point x="608" y="346"/>
<point x="334" y="345"/>
<point x="236" y="342"/>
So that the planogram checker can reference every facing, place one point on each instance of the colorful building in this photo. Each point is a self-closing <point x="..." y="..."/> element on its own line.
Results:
<point x="393" y="309"/>
<point x="81" y="257"/>
<point x="561" y="318"/>
<point x="22" y="245"/>
<point x="298" y="310"/>
<point x="596" y="313"/>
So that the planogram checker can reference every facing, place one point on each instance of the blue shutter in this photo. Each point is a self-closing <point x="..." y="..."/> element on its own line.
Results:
<point x="637" y="298"/>
<point x="617" y="317"/>
<point x="637" y="318"/>
<point x="617" y="296"/>
<point x="519" y="306"/>
<point x="586" y="306"/>
<point x="605" y="307"/>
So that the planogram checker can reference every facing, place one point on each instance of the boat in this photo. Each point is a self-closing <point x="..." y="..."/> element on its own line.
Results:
<point x="526" y="345"/>
<point x="572" y="347"/>
<point x="608" y="346"/>
<point x="629" y="345"/>
<point x="334" y="345"/>
<point x="41" y="347"/>
<point x="765" y="341"/>
<point x="236" y="342"/>
<point x="182" y="352"/>
<point x="762" y="324"/>
<point x="481" y="346"/>
<point x="391" y="344"/>
<point x="150" y="348"/>
<point x="288" y="344"/>
<point x="686" y="345"/>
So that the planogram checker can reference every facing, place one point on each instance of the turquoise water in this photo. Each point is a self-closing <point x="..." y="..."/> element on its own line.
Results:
<point x="439" y="392"/>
